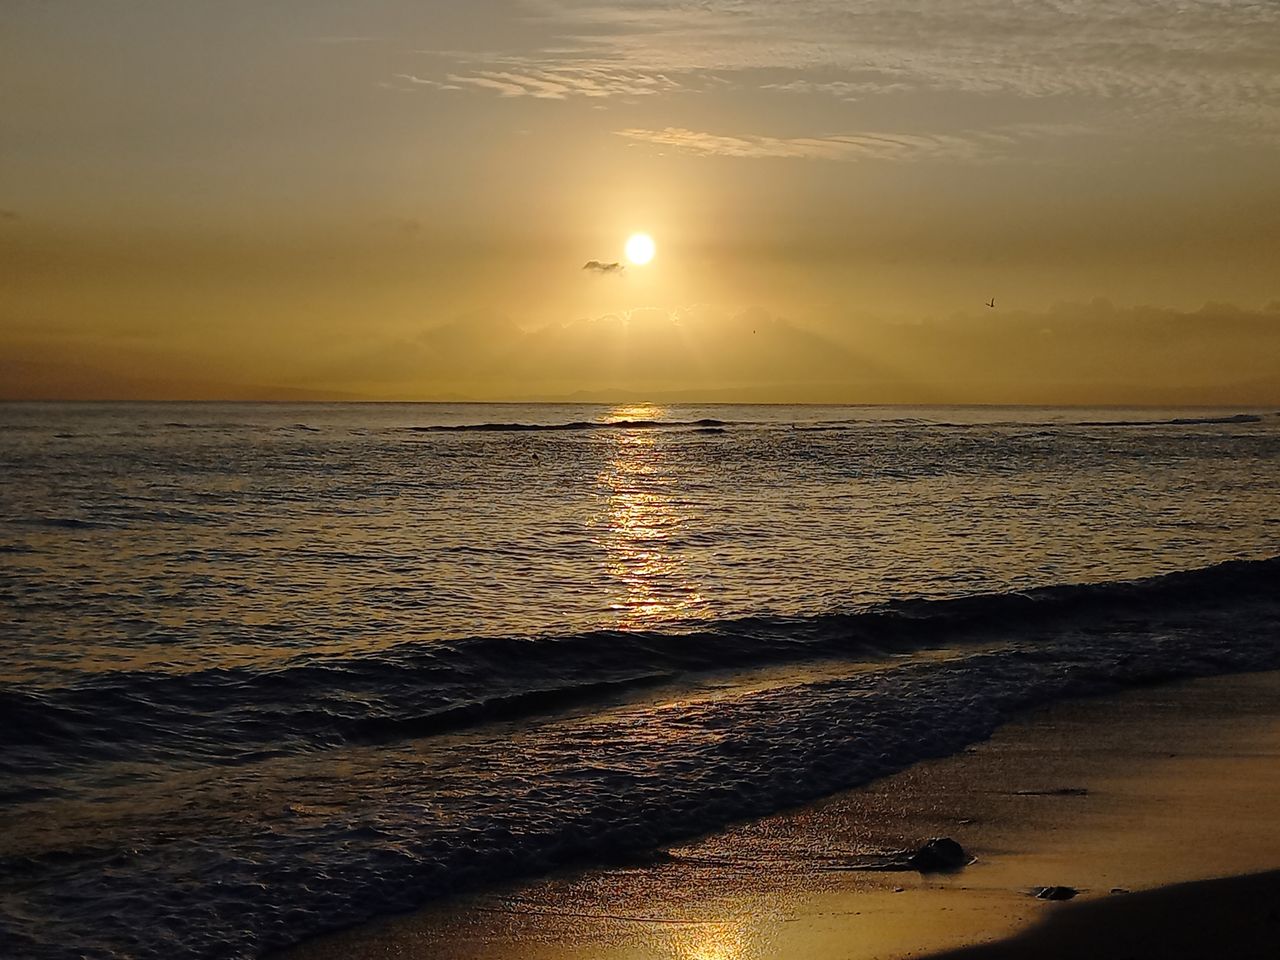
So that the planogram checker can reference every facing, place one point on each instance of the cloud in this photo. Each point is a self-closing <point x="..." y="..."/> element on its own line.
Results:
<point x="335" y="41"/>
<point x="519" y="77"/>
<point x="688" y="348"/>
<point x="10" y="215"/>
<point x="1095" y="352"/>
<point x="1087" y="353"/>
<point x="415" y="80"/>
<point x="849" y="147"/>
<point x="850" y="90"/>
<point x="1129" y="63"/>
<point x="597" y="266"/>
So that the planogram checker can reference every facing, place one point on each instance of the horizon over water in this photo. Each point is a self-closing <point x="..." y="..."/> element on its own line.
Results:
<point x="276" y="668"/>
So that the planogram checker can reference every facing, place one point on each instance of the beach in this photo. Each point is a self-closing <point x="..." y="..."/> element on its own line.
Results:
<point x="639" y="480"/>
<point x="1120" y="797"/>
<point x="279" y="671"/>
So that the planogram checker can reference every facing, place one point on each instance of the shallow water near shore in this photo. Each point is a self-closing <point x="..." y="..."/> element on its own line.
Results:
<point x="274" y="669"/>
<point x="1111" y="795"/>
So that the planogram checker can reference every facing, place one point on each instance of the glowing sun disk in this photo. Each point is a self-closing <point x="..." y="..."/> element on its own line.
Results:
<point x="640" y="248"/>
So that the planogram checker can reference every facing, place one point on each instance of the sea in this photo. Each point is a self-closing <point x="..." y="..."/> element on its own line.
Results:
<point x="267" y="670"/>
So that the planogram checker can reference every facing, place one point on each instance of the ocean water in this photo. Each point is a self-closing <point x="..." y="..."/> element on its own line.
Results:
<point x="266" y="670"/>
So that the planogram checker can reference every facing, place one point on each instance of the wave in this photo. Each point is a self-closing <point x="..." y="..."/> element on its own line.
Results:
<point x="64" y="523"/>
<point x="1175" y="422"/>
<point x="1047" y="427"/>
<point x="228" y="715"/>
<point x="207" y="425"/>
<point x="573" y="425"/>
<point x="270" y="854"/>
<point x="423" y="821"/>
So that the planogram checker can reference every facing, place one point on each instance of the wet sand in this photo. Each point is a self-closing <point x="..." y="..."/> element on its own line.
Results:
<point x="1236" y="917"/>
<point x="1110" y="796"/>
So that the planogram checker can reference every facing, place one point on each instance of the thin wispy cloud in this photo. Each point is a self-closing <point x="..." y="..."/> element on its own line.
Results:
<point x="336" y="41"/>
<point x="601" y="267"/>
<point x="416" y="80"/>
<point x="851" y="90"/>
<point x="557" y="82"/>
<point x="1123" y="60"/>
<point x="848" y="147"/>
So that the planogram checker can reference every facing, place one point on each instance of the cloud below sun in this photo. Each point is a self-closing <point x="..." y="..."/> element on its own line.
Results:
<point x="1072" y="353"/>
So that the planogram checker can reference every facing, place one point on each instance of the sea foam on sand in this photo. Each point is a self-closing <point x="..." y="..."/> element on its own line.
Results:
<point x="1152" y="787"/>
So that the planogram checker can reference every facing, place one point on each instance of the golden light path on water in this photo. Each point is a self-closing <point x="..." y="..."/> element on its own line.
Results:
<point x="639" y="521"/>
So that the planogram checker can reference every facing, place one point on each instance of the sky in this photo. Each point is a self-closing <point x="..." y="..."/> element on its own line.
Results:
<point x="395" y="199"/>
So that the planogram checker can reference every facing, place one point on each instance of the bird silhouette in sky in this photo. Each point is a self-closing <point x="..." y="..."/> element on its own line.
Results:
<point x="992" y="303"/>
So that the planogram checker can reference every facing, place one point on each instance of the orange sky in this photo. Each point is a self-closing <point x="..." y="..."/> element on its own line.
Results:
<point x="394" y="200"/>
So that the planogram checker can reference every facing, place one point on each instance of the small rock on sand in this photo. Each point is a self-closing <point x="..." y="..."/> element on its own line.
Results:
<point x="940" y="853"/>
<point x="1054" y="893"/>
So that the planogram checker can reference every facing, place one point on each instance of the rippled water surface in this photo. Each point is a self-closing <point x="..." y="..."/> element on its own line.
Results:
<point x="172" y="537"/>
<point x="270" y="668"/>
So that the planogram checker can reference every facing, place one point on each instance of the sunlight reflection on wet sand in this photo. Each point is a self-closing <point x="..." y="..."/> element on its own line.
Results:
<point x="1188" y="767"/>
<point x="711" y="941"/>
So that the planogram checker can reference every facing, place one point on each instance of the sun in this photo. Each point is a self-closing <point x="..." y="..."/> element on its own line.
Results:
<point x="640" y="248"/>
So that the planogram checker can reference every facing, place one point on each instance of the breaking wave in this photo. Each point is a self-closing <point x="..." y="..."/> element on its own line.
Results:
<point x="573" y="425"/>
<point x="230" y="714"/>
<point x="1175" y="422"/>
<point x="345" y="788"/>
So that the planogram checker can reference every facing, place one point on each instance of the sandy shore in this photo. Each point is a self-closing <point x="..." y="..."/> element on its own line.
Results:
<point x="1236" y="917"/>
<point x="1110" y="796"/>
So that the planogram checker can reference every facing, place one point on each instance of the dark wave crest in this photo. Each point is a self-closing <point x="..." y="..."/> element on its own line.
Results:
<point x="230" y="714"/>
<point x="575" y="425"/>
<point x="270" y="852"/>
<point x="1175" y="422"/>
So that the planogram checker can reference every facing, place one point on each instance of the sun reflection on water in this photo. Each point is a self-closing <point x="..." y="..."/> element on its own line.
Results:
<point x="641" y="524"/>
<point x="635" y="411"/>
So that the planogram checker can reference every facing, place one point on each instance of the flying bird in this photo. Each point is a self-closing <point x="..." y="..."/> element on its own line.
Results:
<point x="992" y="303"/>
<point x="598" y="266"/>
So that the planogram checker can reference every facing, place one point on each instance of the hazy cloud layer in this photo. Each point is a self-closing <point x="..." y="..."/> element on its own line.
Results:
<point x="1087" y="353"/>
<point x="1072" y="353"/>
<point x="1122" y="61"/>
